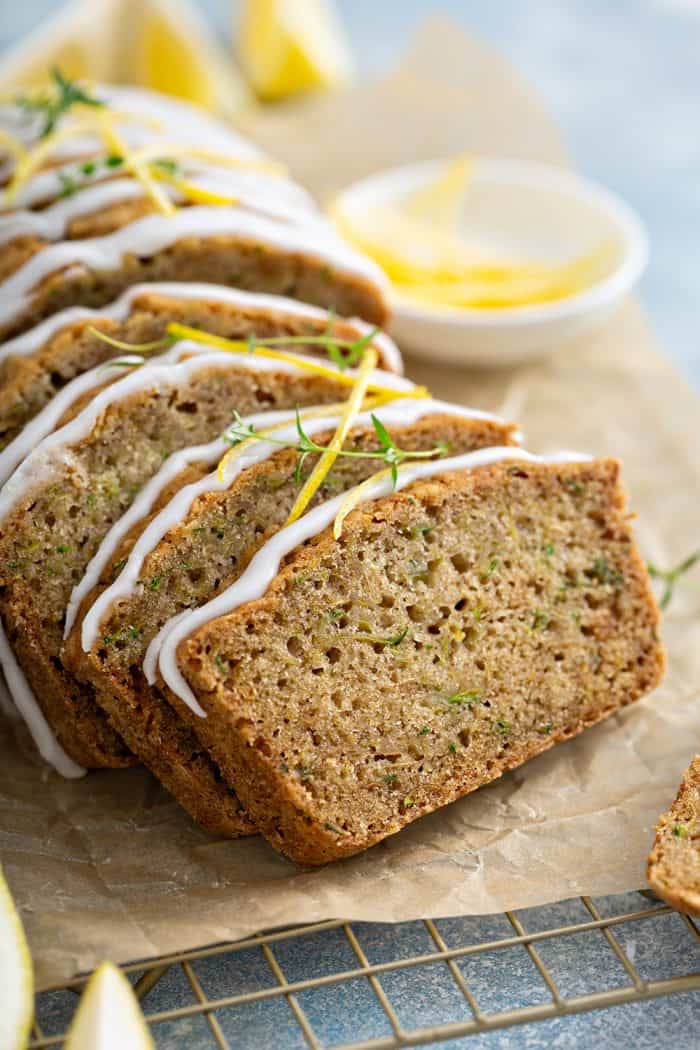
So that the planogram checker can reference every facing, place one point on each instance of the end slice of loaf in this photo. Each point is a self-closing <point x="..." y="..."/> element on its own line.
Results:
<point x="74" y="488"/>
<point x="195" y="558"/>
<point x="674" y="862"/>
<point x="36" y="365"/>
<point x="454" y="630"/>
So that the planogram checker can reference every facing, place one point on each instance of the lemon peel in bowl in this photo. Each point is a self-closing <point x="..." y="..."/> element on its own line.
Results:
<point x="419" y="241"/>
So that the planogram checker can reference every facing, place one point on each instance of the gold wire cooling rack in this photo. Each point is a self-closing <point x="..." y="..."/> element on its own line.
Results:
<point x="370" y="982"/>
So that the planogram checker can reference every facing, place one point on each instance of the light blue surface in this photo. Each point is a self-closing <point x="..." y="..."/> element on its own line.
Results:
<point x="623" y="80"/>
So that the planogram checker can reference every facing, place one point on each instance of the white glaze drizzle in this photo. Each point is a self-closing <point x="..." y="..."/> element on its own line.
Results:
<point x="177" y="122"/>
<point x="396" y="413"/>
<point x="56" y="447"/>
<point x="265" y="565"/>
<point x="150" y="235"/>
<point x="275" y="198"/>
<point x="207" y="454"/>
<point x="26" y="703"/>
<point x="34" y="338"/>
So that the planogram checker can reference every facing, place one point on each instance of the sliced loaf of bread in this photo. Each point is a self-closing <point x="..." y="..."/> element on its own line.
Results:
<point x="61" y="501"/>
<point x="197" y="544"/>
<point x="495" y="606"/>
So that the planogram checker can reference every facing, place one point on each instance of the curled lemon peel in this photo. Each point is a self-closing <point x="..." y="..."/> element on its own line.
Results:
<point x="239" y="346"/>
<point x="190" y="191"/>
<point x="354" y="497"/>
<point x="139" y="168"/>
<point x="368" y="405"/>
<point x="328" y="458"/>
<point x="440" y="201"/>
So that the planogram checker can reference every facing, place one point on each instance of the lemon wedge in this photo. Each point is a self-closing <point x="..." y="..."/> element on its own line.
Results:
<point x="71" y="40"/>
<point x="161" y="44"/>
<point x="168" y="46"/>
<point x="108" y="1016"/>
<point x="16" y="975"/>
<point x="291" y="46"/>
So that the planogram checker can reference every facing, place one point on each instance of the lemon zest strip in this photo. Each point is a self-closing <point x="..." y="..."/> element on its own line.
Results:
<point x="238" y="346"/>
<point x="14" y="146"/>
<point x="368" y="405"/>
<point x="192" y="192"/>
<point x="34" y="158"/>
<point x="134" y="164"/>
<point x="354" y="497"/>
<point x="351" y="410"/>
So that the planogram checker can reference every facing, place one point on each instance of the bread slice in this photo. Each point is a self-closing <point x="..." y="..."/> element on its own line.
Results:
<point x="195" y="548"/>
<point x="454" y="630"/>
<point x="39" y="363"/>
<point x="228" y="246"/>
<point x="58" y="505"/>
<point x="673" y="869"/>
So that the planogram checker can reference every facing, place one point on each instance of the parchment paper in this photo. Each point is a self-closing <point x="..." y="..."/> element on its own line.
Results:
<point x="110" y="867"/>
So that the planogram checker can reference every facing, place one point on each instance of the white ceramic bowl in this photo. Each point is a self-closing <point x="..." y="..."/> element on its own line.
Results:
<point x="516" y="209"/>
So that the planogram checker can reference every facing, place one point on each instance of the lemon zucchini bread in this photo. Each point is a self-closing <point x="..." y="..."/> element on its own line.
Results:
<point x="674" y="863"/>
<point x="61" y="501"/>
<point x="454" y="629"/>
<point x="37" y="364"/>
<point x="199" y="543"/>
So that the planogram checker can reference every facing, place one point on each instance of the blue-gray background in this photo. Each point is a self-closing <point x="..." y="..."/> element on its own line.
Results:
<point x="622" y="77"/>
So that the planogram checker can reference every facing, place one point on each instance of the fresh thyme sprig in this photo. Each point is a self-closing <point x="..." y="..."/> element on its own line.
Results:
<point x="388" y="451"/>
<point x="344" y="353"/>
<point x="53" y="105"/>
<point x="671" y="576"/>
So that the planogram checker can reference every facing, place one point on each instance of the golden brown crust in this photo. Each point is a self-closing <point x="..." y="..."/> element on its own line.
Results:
<point x="673" y="869"/>
<point x="215" y="552"/>
<point x="311" y="724"/>
<point x="28" y="382"/>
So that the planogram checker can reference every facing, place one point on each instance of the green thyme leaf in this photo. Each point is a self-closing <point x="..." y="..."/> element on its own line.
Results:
<point x="671" y="576"/>
<point x="52" y="105"/>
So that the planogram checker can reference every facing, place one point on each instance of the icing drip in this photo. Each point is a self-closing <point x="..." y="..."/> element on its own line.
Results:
<point x="119" y="310"/>
<point x="265" y="565"/>
<point x="26" y="703"/>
